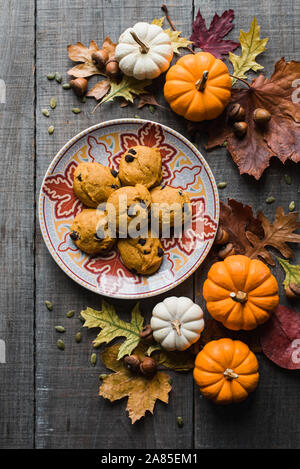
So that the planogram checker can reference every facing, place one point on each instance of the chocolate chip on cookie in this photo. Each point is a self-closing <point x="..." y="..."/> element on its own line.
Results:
<point x="114" y="186"/>
<point x="114" y="173"/>
<point x="142" y="241"/>
<point x="79" y="177"/>
<point x="160" y="252"/>
<point x="129" y="159"/>
<point x="132" y="151"/>
<point x="74" y="235"/>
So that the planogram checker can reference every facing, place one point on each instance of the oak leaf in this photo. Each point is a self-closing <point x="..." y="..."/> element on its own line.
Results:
<point x="276" y="235"/>
<point x="252" y="46"/>
<point x="99" y="90"/>
<point x="280" y="338"/>
<point x="112" y="326"/>
<point x="79" y="53"/>
<point x="211" y="40"/>
<point x="147" y="99"/>
<point x="292" y="272"/>
<point x="280" y="138"/>
<point x="142" y="392"/>
<point x="159" y="21"/>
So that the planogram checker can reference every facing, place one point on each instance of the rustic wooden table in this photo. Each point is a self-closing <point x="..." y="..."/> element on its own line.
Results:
<point x="48" y="398"/>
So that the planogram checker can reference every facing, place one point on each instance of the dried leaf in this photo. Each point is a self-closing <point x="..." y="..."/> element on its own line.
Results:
<point x="211" y="40"/>
<point x="159" y="21"/>
<point x="178" y="361"/>
<point x="251" y="46"/>
<point x="142" y="392"/>
<point x="176" y="40"/>
<point x="280" y="338"/>
<point x="99" y="90"/>
<point x="147" y="98"/>
<point x="112" y="326"/>
<point x="79" y="53"/>
<point x="275" y="235"/>
<point x="214" y="331"/>
<point x="280" y="138"/>
<point x="292" y="272"/>
<point x="109" y="46"/>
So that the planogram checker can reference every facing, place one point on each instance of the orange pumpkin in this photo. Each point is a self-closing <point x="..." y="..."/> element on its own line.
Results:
<point x="198" y="86"/>
<point x="240" y="292"/>
<point x="226" y="371"/>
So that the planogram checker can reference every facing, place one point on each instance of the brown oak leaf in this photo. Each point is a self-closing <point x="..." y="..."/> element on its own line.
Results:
<point x="280" y="338"/>
<point x="276" y="235"/>
<point x="280" y="138"/>
<point x="147" y="98"/>
<point x="142" y="392"/>
<point x="79" y="53"/>
<point x="99" y="90"/>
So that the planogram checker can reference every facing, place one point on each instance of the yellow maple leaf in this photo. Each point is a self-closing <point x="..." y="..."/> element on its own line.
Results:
<point x="142" y="392"/>
<point x="177" y="41"/>
<point x="252" y="46"/>
<point x="159" y="21"/>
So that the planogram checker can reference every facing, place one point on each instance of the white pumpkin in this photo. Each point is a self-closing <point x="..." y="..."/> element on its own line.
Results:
<point x="177" y="323"/>
<point x="144" y="51"/>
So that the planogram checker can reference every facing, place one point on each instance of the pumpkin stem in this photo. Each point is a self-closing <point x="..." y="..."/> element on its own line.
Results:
<point x="176" y="325"/>
<point x="230" y="374"/>
<point x="240" y="296"/>
<point x="200" y="84"/>
<point x="144" y="48"/>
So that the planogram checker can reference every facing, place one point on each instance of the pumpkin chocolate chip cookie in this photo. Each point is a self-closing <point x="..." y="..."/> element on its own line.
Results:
<point x="87" y="232"/>
<point x="141" y="255"/>
<point x="141" y="165"/>
<point x="168" y="203"/>
<point x="93" y="183"/>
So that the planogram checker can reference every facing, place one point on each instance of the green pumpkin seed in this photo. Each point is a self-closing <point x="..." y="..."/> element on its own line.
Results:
<point x="179" y="421"/>
<point x="76" y="110"/>
<point x="60" y="344"/>
<point x="137" y="116"/>
<point x="93" y="359"/>
<point x="224" y="144"/>
<point x="222" y="185"/>
<point x="45" y="112"/>
<point x="288" y="179"/>
<point x="58" y="77"/>
<point x="83" y="99"/>
<point x="51" y="76"/>
<point x="270" y="200"/>
<point x="53" y="103"/>
<point x="78" y="337"/>
<point x="102" y="376"/>
<point x="70" y="314"/>
<point x="60" y="329"/>
<point x="292" y="206"/>
<point x="66" y="86"/>
<point x="51" y="129"/>
<point x="49" y="305"/>
<point x="152" y="108"/>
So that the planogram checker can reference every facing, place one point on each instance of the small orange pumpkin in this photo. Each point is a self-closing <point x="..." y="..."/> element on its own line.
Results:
<point x="240" y="292"/>
<point x="226" y="371"/>
<point x="198" y="86"/>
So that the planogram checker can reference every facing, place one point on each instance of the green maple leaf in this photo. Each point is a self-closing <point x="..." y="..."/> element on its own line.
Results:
<point x="112" y="326"/>
<point x="292" y="272"/>
<point x="252" y="46"/>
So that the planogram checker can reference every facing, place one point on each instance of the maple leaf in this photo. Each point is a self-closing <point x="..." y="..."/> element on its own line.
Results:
<point x="276" y="235"/>
<point x="79" y="53"/>
<point x="211" y="40"/>
<point x="142" y="392"/>
<point x="176" y="41"/>
<point x="252" y="46"/>
<point x="99" y="90"/>
<point x="280" y="138"/>
<point x="280" y="338"/>
<point x="159" y="21"/>
<point x="112" y="326"/>
<point x="127" y="89"/>
<point x="292" y="272"/>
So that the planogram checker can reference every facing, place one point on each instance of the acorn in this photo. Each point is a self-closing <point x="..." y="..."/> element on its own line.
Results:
<point x="132" y="363"/>
<point x="100" y="57"/>
<point x="148" y="367"/>
<point x="146" y="333"/>
<point x="292" y="291"/>
<point x="236" y="112"/>
<point x="240" y="129"/>
<point x="228" y="250"/>
<point x="112" y="68"/>
<point x="261" y="116"/>
<point x="222" y="236"/>
<point x="79" y="86"/>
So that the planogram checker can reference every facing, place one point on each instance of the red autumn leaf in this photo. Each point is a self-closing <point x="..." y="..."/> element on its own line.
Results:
<point x="211" y="40"/>
<point x="280" y="338"/>
<point x="280" y="138"/>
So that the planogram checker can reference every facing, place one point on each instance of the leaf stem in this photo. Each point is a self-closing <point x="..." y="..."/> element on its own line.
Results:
<point x="241" y="79"/>
<point x="166" y="12"/>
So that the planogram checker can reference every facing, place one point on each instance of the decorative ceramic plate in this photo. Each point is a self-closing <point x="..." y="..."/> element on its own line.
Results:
<point x="183" y="167"/>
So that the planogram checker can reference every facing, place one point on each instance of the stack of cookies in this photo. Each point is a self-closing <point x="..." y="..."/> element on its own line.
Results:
<point x="120" y="202"/>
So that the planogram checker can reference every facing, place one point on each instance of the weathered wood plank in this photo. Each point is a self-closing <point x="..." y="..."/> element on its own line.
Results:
<point x="17" y="223"/>
<point x="269" y="418"/>
<point x="69" y="413"/>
